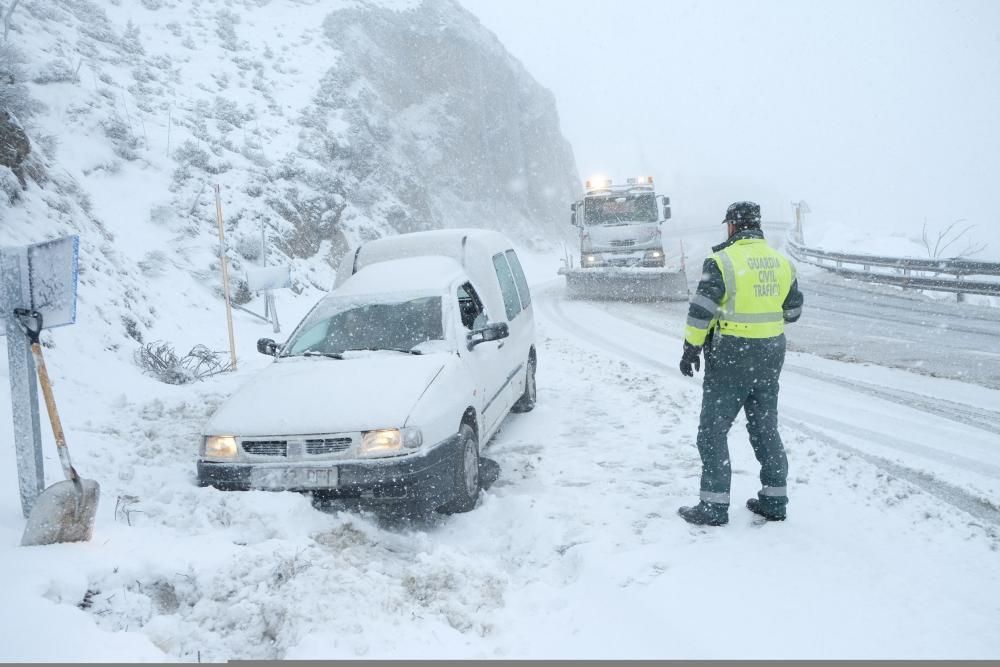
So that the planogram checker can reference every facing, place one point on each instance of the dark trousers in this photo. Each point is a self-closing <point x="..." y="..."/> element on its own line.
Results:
<point x="742" y="374"/>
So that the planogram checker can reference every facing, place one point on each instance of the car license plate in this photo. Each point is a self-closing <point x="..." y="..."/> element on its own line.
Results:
<point x="294" y="478"/>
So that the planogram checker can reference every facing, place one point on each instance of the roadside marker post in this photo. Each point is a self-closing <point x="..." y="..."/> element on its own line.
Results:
<point x="225" y="275"/>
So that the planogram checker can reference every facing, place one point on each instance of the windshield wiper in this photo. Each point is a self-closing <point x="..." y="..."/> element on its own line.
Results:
<point x="404" y="350"/>
<point x="316" y="353"/>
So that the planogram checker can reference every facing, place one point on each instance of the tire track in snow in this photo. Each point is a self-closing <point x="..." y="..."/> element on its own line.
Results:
<point x="967" y="415"/>
<point x="960" y="413"/>
<point x="978" y="507"/>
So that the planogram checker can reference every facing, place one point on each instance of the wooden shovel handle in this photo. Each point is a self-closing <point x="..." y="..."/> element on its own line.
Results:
<point x="50" y="405"/>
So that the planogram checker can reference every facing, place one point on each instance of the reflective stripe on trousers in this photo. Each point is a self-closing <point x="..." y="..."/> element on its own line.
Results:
<point x="718" y="498"/>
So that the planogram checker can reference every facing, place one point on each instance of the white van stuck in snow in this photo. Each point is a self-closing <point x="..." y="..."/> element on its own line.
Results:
<point x="387" y="388"/>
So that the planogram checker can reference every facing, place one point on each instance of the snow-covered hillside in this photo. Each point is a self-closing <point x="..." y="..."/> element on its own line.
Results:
<point x="324" y="123"/>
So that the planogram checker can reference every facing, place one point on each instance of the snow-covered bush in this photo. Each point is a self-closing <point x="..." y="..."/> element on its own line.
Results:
<point x="229" y="112"/>
<point x="248" y="246"/>
<point x="154" y="264"/>
<point x="14" y="95"/>
<point x="10" y="188"/>
<point x="124" y="142"/>
<point x="57" y="71"/>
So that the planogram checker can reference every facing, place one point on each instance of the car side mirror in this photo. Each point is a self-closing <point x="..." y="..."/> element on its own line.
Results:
<point x="492" y="331"/>
<point x="267" y="346"/>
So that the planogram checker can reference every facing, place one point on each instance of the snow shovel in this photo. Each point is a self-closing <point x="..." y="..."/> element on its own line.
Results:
<point x="65" y="511"/>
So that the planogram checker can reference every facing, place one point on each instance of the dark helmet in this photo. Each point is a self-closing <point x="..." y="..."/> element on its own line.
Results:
<point x="743" y="214"/>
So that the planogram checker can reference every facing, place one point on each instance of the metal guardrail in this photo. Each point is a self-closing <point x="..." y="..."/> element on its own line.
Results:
<point x="913" y="273"/>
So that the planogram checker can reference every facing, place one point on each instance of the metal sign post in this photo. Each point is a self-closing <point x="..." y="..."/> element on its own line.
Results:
<point x="41" y="277"/>
<point x="267" y="279"/>
<point x="801" y="208"/>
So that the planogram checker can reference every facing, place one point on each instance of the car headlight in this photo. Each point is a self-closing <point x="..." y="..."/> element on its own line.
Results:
<point x="591" y="259"/>
<point x="654" y="254"/>
<point x="219" y="446"/>
<point x="390" y="441"/>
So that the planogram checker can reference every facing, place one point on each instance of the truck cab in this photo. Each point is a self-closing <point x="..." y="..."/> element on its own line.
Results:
<point x="619" y="225"/>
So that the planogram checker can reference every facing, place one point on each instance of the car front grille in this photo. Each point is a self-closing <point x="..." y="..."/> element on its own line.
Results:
<point x="266" y="447"/>
<point x="317" y="446"/>
<point x="298" y="447"/>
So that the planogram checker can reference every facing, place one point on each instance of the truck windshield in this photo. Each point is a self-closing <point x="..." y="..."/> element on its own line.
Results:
<point x="621" y="208"/>
<point x="347" y="324"/>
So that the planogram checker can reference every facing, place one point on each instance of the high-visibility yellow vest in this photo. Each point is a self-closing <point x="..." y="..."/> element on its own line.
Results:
<point x="757" y="278"/>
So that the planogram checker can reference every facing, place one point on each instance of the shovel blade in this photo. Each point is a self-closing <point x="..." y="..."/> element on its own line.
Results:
<point x="64" y="512"/>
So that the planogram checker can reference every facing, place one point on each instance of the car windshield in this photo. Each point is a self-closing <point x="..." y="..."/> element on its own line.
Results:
<point x="621" y="208"/>
<point x="350" y="323"/>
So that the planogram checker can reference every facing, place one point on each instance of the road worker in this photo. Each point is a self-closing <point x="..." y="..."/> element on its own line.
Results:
<point x="737" y="316"/>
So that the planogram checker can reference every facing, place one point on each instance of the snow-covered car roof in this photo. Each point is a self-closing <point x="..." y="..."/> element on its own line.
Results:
<point x="471" y="249"/>
<point x="459" y="244"/>
<point x="430" y="274"/>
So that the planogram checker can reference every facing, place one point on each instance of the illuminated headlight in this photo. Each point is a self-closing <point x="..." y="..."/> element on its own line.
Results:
<point x="219" y="447"/>
<point x="654" y="254"/>
<point x="390" y="441"/>
<point x="591" y="259"/>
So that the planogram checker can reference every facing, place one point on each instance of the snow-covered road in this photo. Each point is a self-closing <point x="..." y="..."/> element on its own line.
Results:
<point x="890" y="550"/>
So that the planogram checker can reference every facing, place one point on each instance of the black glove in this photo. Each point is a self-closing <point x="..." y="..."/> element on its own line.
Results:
<point x="691" y="357"/>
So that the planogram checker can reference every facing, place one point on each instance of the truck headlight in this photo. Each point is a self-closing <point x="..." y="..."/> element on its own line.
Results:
<point x="390" y="441"/>
<point x="654" y="254"/>
<point x="591" y="259"/>
<point x="219" y="447"/>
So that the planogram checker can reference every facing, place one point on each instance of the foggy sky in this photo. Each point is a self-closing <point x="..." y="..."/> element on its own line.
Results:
<point x="879" y="114"/>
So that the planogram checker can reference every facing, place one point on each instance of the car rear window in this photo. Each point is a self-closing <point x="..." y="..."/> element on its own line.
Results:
<point x="522" y="282"/>
<point x="511" y="302"/>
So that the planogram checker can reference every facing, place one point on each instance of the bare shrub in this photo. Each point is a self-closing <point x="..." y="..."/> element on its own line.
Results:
<point x="947" y="237"/>
<point x="160" y="360"/>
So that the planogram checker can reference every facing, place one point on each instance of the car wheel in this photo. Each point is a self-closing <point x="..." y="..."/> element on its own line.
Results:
<point x="527" y="400"/>
<point x="466" y="482"/>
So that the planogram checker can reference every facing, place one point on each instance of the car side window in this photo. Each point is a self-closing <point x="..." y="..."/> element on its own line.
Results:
<point x="522" y="282"/>
<point x="511" y="302"/>
<point x="470" y="306"/>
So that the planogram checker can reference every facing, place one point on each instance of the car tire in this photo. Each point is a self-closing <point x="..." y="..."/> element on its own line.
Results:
<point x="466" y="481"/>
<point x="526" y="403"/>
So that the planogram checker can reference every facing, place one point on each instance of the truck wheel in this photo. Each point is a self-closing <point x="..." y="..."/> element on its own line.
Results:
<point x="527" y="400"/>
<point x="466" y="481"/>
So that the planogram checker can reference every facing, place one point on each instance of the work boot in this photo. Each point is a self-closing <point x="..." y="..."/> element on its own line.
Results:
<point x="706" y="514"/>
<point x="755" y="506"/>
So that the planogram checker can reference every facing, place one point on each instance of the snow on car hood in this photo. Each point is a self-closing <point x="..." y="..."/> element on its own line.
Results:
<point x="302" y="395"/>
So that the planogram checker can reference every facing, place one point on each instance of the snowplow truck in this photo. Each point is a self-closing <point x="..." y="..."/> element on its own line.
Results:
<point x="622" y="254"/>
